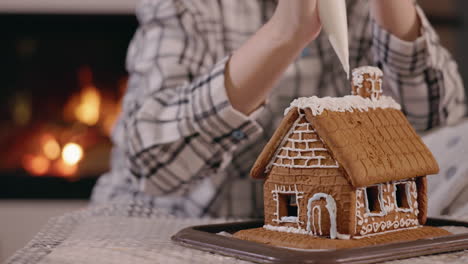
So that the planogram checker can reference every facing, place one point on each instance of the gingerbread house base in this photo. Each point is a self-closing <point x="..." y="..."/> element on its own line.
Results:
<point x="299" y="241"/>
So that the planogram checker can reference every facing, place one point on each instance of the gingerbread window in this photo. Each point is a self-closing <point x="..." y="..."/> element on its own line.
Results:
<point x="374" y="200"/>
<point x="287" y="203"/>
<point x="288" y="210"/>
<point x="402" y="196"/>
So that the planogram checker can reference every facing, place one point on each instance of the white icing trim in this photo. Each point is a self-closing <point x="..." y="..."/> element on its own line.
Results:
<point x="331" y="207"/>
<point x="369" y="225"/>
<point x="369" y="70"/>
<point x="414" y="194"/>
<point x="278" y="160"/>
<point x="319" y="211"/>
<point x="388" y="202"/>
<point x="385" y="232"/>
<point x="397" y="224"/>
<point x="283" y="143"/>
<point x="358" y="219"/>
<point x="358" y="80"/>
<point x="342" y="236"/>
<point x="287" y="229"/>
<point x="349" y="103"/>
<point x="283" y="190"/>
<point x="411" y="195"/>
<point x="408" y="196"/>
<point x="294" y="230"/>
<point x="383" y="210"/>
<point x="289" y="219"/>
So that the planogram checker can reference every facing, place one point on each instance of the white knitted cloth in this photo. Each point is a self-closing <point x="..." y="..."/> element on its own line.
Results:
<point x="134" y="234"/>
<point x="114" y="234"/>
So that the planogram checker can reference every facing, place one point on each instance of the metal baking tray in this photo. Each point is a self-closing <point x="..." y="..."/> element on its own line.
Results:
<point x="206" y="238"/>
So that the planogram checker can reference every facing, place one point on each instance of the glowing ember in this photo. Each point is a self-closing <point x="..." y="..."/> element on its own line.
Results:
<point x="87" y="111"/>
<point x="36" y="165"/>
<point x="64" y="169"/>
<point x="72" y="153"/>
<point x="51" y="148"/>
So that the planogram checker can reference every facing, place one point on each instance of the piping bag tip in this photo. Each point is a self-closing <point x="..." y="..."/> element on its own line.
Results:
<point x="335" y="24"/>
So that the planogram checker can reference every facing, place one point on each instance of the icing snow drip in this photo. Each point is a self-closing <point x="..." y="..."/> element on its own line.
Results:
<point x="348" y="103"/>
<point x="358" y="74"/>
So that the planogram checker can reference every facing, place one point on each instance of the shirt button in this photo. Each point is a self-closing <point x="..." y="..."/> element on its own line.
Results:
<point x="237" y="134"/>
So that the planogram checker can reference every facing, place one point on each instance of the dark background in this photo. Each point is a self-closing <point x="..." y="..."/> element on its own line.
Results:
<point x="41" y="55"/>
<point x="42" y="52"/>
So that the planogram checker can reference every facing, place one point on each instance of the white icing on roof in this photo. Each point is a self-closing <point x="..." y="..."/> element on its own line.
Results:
<point x="358" y="73"/>
<point x="368" y="69"/>
<point x="347" y="103"/>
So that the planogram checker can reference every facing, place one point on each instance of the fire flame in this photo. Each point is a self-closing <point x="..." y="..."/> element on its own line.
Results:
<point x="62" y="168"/>
<point x="51" y="147"/>
<point x="87" y="111"/>
<point x="36" y="165"/>
<point x="72" y="153"/>
<point x="97" y="109"/>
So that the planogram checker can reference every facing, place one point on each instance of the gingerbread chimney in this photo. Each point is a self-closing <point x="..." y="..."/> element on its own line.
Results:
<point x="367" y="82"/>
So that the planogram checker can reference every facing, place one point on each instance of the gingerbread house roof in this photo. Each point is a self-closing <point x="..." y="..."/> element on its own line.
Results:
<point x="370" y="139"/>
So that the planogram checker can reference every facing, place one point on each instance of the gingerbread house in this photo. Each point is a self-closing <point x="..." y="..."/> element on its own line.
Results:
<point x="348" y="167"/>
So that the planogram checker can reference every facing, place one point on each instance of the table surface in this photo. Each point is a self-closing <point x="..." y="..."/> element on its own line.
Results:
<point x="135" y="234"/>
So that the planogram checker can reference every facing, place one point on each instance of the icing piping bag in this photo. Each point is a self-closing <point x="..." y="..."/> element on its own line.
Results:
<point x="335" y="24"/>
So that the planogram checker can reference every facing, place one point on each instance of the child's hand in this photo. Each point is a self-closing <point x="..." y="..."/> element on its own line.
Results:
<point x="399" y="17"/>
<point x="258" y="64"/>
<point x="297" y="20"/>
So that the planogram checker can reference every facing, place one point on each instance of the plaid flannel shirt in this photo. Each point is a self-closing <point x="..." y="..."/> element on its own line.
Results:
<point x="180" y="145"/>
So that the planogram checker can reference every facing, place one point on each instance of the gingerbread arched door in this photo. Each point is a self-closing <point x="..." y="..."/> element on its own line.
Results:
<point x="321" y="215"/>
<point x="319" y="218"/>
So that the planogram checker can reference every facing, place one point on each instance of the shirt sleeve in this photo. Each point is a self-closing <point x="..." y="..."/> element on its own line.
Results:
<point x="421" y="75"/>
<point x="179" y="125"/>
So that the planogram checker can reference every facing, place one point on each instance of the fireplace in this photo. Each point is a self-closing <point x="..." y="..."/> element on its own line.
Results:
<point x="63" y="80"/>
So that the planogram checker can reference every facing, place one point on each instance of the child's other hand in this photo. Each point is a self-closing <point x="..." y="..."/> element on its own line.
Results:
<point x="297" y="20"/>
<point x="259" y="63"/>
